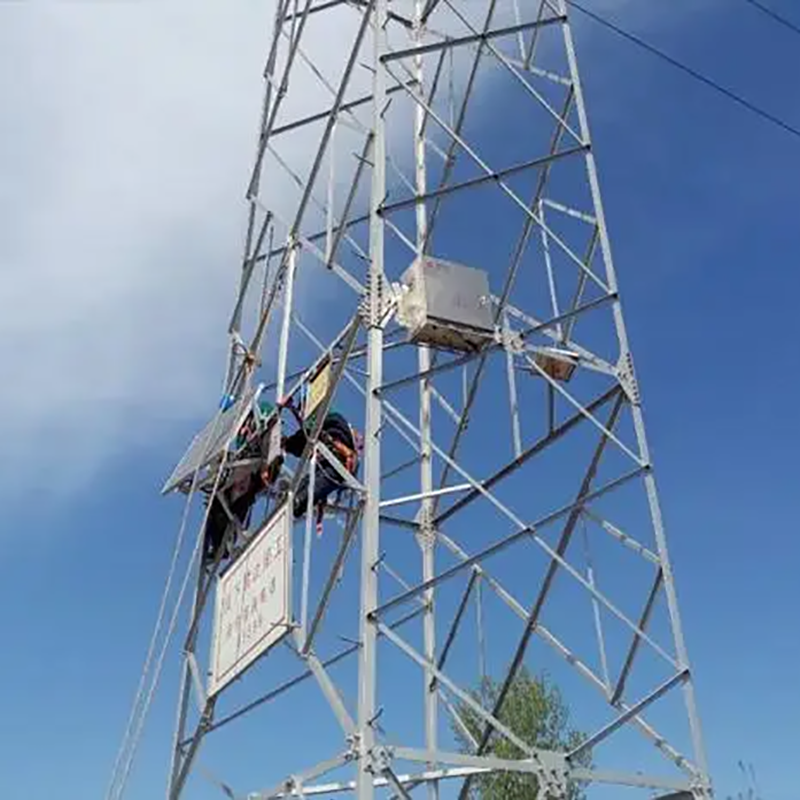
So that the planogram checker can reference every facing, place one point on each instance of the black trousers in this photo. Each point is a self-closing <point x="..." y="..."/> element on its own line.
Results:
<point x="326" y="482"/>
<point x="218" y="520"/>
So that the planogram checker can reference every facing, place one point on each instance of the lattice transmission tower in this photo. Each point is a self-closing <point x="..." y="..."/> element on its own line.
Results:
<point x="427" y="254"/>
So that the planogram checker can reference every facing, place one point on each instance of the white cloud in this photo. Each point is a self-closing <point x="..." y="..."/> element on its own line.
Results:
<point x="127" y="134"/>
<point x="128" y="131"/>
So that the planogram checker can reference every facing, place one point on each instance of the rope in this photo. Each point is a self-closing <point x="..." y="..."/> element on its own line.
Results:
<point x="711" y="84"/>
<point x="110" y="794"/>
<point x="152" y="646"/>
<point x="774" y="15"/>
<point x="167" y="639"/>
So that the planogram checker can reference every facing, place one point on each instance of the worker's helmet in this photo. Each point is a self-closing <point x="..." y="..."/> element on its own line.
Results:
<point x="265" y="407"/>
<point x="311" y="420"/>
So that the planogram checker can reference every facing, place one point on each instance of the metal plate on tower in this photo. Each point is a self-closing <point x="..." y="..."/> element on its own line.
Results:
<point x="446" y="305"/>
<point x="253" y="606"/>
<point x="318" y="388"/>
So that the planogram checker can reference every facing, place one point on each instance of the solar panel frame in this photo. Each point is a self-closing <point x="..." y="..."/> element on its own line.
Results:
<point x="211" y="442"/>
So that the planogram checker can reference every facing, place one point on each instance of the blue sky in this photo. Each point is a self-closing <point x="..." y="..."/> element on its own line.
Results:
<point x="700" y="197"/>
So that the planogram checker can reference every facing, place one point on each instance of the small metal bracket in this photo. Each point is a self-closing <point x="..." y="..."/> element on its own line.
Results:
<point x="556" y="363"/>
<point x="699" y="791"/>
<point x="380" y="759"/>
<point x="425" y="534"/>
<point x="552" y="774"/>
<point x="353" y="752"/>
<point x="294" y="785"/>
<point x="240" y="347"/>
<point x="554" y="782"/>
<point x="627" y="377"/>
<point x="510" y="340"/>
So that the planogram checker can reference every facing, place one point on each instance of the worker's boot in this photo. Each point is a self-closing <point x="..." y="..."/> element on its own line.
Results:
<point x="281" y="490"/>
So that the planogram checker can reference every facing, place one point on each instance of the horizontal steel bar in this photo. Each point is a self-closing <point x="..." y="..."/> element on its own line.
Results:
<point x="574" y="312"/>
<point x="629" y="779"/>
<point x="478" y="764"/>
<point x="322" y="7"/>
<point x="495" y="175"/>
<point x="396" y="501"/>
<point x="488" y="763"/>
<point x="340" y="787"/>
<point x="400" y="523"/>
<point x="503" y="543"/>
<point x="531" y="451"/>
<point x="452" y="43"/>
<point x="314" y="237"/>
<point x="570" y="212"/>
<point x="296" y="781"/>
<point x="631" y="712"/>
<point x="298" y="679"/>
<point x="639" y="780"/>
<point x="361" y="101"/>
<point x="400" y="468"/>
<point x="418" y="376"/>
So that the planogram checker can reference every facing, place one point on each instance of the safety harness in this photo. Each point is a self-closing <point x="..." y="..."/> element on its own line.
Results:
<point x="347" y="456"/>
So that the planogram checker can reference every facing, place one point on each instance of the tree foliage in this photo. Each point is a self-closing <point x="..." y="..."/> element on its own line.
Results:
<point x="536" y="712"/>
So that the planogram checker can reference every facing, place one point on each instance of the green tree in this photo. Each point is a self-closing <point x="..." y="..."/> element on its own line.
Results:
<point x="536" y="712"/>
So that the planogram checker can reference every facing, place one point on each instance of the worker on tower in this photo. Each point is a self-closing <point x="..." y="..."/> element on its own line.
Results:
<point x="244" y="484"/>
<point x="342" y="440"/>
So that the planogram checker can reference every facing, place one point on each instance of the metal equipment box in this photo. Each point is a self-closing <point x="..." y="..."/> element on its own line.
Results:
<point x="446" y="305"/>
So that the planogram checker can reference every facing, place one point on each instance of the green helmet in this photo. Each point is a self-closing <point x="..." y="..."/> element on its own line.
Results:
<point x="312" y="417"/>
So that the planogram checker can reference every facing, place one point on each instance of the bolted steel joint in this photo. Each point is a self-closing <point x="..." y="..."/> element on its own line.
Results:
<point x="381" y="759"/>
<point x="627" y="378"/>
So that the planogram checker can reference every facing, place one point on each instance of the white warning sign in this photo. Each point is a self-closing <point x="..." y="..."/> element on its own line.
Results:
<point x="253" y="602"/>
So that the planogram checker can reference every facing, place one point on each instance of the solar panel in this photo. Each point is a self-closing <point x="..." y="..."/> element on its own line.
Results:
<point x="210" y="443"/>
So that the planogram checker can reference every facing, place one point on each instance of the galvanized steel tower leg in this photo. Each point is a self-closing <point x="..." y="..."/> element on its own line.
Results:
<point x="370" y="545"/>
<point x="636" y="411"/>
<point x="426" y="537"/>
<point x="184" y="694"/>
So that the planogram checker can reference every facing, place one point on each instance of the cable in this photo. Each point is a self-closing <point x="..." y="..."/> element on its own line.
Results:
<point x="119" y="774"/>
<point x="688" y="70"/>
<point x="774" y="15"/>
<point x="170" y="631"/>
<point x="150" y="650"/>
